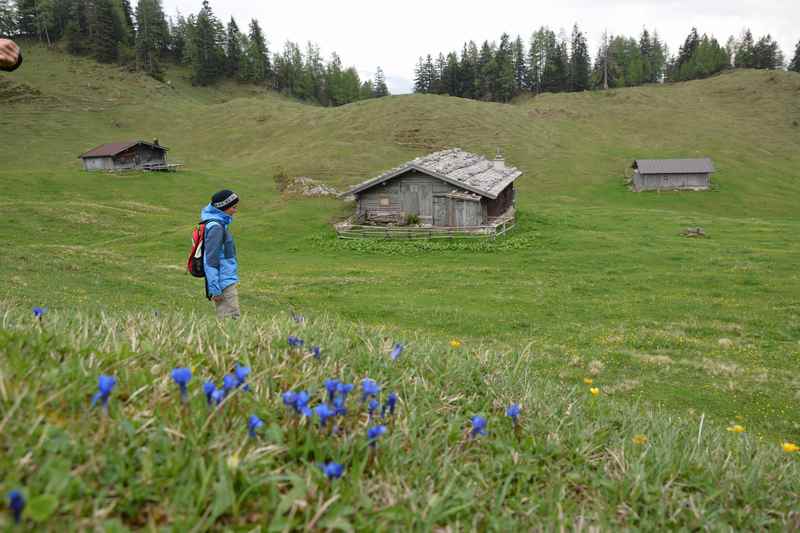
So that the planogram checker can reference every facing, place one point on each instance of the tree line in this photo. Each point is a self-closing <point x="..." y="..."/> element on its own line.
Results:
<point x="144" y="38"/>
<point x="558" y="63"/>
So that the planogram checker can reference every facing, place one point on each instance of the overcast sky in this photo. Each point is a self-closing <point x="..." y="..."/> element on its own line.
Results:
<point x="393" y="35"/>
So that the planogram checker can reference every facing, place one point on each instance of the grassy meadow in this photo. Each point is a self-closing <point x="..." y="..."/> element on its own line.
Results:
<point x="595" y="282"/>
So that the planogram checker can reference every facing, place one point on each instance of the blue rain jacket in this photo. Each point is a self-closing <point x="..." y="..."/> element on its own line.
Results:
<point x="219" y="256"/>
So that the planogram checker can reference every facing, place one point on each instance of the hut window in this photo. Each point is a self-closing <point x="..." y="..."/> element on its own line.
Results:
<point x="384" y="201"/>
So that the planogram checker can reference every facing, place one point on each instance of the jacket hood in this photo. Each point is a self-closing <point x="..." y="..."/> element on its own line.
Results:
<point x="210" y="212"/>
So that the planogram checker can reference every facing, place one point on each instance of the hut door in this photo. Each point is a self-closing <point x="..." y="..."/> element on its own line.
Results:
<point x="410" y="201"/>
<point x="440" y="211"/>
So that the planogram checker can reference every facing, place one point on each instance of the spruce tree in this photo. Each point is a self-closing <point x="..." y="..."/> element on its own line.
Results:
<point x="744" y="51"/>
<point x="487" y="72"/>
<point x="208" y="54"/>
<point x="579" y="62"/>
<point x="152" y="36"/>
<point x="258" y="54"/>
<point x="795" y="63"/>
<point x="429" y="74"/>
<point x="658" y="60"/>
<point x="127" y="23"/>
<point x="520" y="67"/>
<point x="419" y="76"/>
<point x="504" y="65"/>
<point x="107" y="31"/>
<point x="380" y="89"/>
<point x="767" y="54"/>
<point x="233" y="50"/>
<point x="453" y="75"/>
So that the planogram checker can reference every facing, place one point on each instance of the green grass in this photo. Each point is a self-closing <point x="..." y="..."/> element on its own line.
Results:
<point x="595" y="280"/>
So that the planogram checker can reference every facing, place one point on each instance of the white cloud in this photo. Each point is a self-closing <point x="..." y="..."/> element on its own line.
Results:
<point x="393" y="35"/>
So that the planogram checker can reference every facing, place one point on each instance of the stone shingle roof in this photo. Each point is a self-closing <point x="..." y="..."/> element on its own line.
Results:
<point x="471" y="172"/>
<point x="674" y="166"/>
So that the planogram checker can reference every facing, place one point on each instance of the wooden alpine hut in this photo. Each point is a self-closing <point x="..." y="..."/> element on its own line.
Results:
<point x="128" y="155"/>
<point x="451" y="188"/>
<point x="671" y="174"/>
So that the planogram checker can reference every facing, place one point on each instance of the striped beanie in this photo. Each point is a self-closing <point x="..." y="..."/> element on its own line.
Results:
<point x="224" y="199"/>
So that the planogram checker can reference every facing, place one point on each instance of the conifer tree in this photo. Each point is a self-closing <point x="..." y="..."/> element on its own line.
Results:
<point x="487" y="72"/>
<point x="258" y="54"/>
<point x="419" y="76"/>
<point x="767" y="54"/>
<point x="579" y="62"/>
<point x="520" y="68"/>
<point x="127" y="23"/>
<point x="152" y="34"/>
<point x="380" y="89"/>
<point x="504" y="70"/>
<point x="744" y="51"/>
<point x="107" y="31"/>
<point x="452" y="76"/>
<point x="233" y="50"/>
<point x="795" y="63"/>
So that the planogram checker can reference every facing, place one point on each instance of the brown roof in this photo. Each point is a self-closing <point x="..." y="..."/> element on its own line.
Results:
<point x="674" y="166"/>
<point x="112" y="149"/>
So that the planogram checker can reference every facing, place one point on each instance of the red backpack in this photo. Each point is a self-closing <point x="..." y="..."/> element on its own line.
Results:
<point x="195" y="265"/>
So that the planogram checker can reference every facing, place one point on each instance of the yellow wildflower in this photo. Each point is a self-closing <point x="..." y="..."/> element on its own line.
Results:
<point x="455" y="343"/>
<point x="233" y="461"/>
<point x="588" y="381"/>
<point x="736" y="428"/>
<point x="595" y="391"/>
<point x="790" y="447"/>
<point x="639" y="439"/>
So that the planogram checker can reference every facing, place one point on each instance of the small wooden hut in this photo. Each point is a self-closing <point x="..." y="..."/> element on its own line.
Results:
<point x="671" y="174"/>
<point x="451" y="188"/>
<point x="129" y="155"/>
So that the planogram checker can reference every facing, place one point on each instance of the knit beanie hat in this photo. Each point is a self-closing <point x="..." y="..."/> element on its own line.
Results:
<point x="224" y="199"/>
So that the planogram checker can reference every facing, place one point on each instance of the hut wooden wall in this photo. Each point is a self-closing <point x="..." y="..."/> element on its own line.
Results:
<point x="98" y="163"/>
<point x="500" y="205"/>
<point x="458" y="212"/>
<point x="410" y="193"/>
<point x="650" y="182"/>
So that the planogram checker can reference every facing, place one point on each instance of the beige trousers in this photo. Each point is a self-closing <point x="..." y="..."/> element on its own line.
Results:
<point x="229" y="305"/>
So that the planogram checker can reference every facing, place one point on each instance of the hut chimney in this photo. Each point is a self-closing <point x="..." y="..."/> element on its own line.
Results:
<point x="155" y="142"/>
<point x="499" y="161"/>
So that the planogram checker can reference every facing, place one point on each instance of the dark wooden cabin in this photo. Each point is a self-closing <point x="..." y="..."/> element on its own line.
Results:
<point x="672" y="174"/>
<point x="130" y="155"/>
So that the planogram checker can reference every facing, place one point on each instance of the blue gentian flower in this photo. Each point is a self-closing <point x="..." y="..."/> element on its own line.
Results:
<point x="289" y="398"/>
<point x="324" y="413"/>
<point x="105" y="385"/>
<point x="369" y="388"/>
<point x="391" y="401"/>
<point x="241" y="374"/>
<point x="513" y="411"/>
<point x="331" y="385"/>
<point x="396" y="351"/>
<point x="374" y="433"/>
<point x="344" y="389"/>
<point x="301" y="404"/>
<point x="316" y="352"/>
<point x="253" y="423"/>
<point x="16" y="502"/>
<point x="339" y="405"/>
<point x="229" y="382"/>
<point x="478" y="426"/>
<point x="39" y="312"/>
<point x="182" y="377"/>
<point x="208" y="390"/>
<point x="295" y="341"/>
<point x="332" y="470"/>
<point x="372" y="406"/>
<point x="217" y="396"/>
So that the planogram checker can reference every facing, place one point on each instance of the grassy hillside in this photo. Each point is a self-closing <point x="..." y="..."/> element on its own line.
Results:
<point x="595" y="280"/>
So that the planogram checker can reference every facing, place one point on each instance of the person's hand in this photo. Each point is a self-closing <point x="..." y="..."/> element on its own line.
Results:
<point x="218" y="298"/>
<point x="9" y="54"/>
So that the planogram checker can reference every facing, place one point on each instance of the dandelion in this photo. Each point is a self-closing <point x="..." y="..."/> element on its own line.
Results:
<point x="588" y="381"/>
<point x="316" y="352"/>
<point x="790" y="447"/>
<point x="396" y="351"/>
<point x="372" y="406"/>
<point x="373" y="434"/>
<point x="105" y="384"/>
<point x="332" y="470"/>
<point x="595" y="391"/>
<point x="478" y="426"/>
<point x="639" y="440"/>
<point x="455" y="343"/>
<point x="39" y="312"/>
<point x="294" y="341"/>
<point x="391" y="401"/>
<point x="369" y="388"/>
<point x="736" y="428"/>
<point x="513" y="412"/>
<point x="16" y="502"/>
<point x="208" y="389"/>
<point x="229" y="382"/>
<point x="181" y="376"/>
<point x="253" y="423"/>
<point x="331" y="386"/>
<point x="324" y="413"/>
